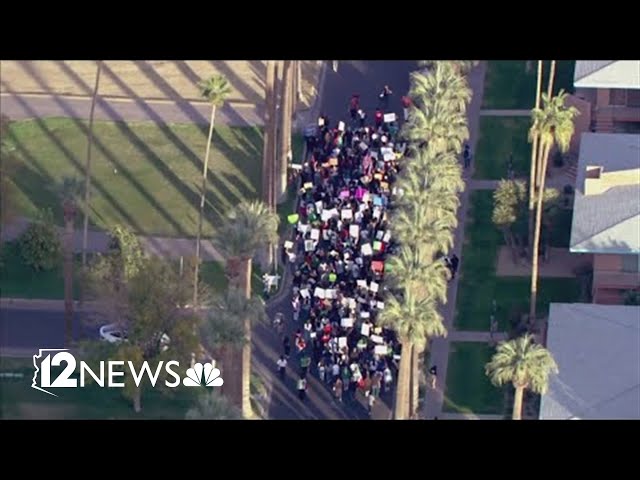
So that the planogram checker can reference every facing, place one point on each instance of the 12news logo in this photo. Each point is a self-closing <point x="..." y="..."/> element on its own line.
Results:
<point x="200" y="375"/>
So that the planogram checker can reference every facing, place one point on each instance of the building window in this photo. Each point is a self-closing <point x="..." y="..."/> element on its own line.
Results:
<point x="631" y="263"/>
<point x="633" y="98"/>
<point x="617" y="96"/>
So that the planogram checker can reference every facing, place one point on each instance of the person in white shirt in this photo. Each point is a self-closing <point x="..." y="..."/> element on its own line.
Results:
<point x="282" y="366"/>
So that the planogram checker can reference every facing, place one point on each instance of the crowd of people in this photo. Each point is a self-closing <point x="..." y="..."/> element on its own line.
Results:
<point x="338" y="251"/>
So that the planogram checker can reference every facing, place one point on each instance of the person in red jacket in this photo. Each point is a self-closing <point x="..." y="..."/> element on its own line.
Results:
<point x="406" y="103"/>
<point x="378" y="117"/>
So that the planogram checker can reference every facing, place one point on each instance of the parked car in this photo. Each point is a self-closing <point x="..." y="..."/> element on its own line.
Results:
<point x="113" y="333"/>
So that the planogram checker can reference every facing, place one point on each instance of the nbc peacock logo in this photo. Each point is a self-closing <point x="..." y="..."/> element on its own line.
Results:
<point x="203" y="376"/>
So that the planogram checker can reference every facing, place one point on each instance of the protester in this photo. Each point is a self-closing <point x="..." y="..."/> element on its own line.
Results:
<point x="466" y="156"/>
<point x="282" y="366"/>
<point x="384" y="96"/>
<point x="406" y="103"/>
<point x="302" y="388"/>
<point x="340" y="241"/>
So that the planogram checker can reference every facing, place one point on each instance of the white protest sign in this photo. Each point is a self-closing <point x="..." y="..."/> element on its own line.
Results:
<point x="366" y="250"/>
<point x="342" y="342"/>
<point x="319" y="206"/>
<point x="377" y="339"/>
<point x="380" y="350"/>
<point x="387" y="237"/>
<point x="361" y="283"/>
<point x="331" y="293"/>
<point x="374" y="287"/>
<point x="354" y="231"/>
<point x="380" y="305"/>
<point x="304" y="228"/>
<point x="352" y="303"/>
<point x="315" y="234"/>
<point x="365" y="315"/>
<point x="309" y="245"/>
<point x="288" y="244"/>
<point x="366" y="329"/>
<point x="341" y="126"/>
<point x="319" y="292"/>
<point x="389" y="117"/>
<point x="347" y="214"/>
<point x="346" y="322"/>
<point x="305" y="293"/>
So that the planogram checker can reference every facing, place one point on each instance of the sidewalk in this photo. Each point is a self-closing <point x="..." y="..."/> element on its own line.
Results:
<point x="98" y="242"/>
<point x="505" y="113"/>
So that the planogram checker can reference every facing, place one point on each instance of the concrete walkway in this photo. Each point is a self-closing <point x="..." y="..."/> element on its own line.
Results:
<point x="504" y="113"/>
<point x="21" y="107"/>
<point x="98" y="242"/>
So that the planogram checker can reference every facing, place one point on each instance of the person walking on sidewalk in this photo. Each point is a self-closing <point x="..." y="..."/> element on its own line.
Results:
<point x="371" y="401"/>
<point x="433" y="371"/>
<point x="282" y="366"/>
<point x="453" y="262"/>
<point x="406" y="103"/>
<point x="466" y="156"/>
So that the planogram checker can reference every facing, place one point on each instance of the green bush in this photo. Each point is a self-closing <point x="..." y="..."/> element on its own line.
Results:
<point x="40" y="245"/>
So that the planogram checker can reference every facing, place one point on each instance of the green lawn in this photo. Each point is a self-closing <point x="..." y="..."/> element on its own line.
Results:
<point x="499" y="137"/>
<point x="145" y="176"/>
<point x="478" y="282"/>
<point x="509" y="86"/>
<point x="468" y="388"/>
<point x="19" y="401"/>
<point x="18" y="280"/>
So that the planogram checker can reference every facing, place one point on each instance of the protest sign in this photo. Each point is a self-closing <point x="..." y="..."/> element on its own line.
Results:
<point x="346" y="322"/>
<point x="293" y="218"/>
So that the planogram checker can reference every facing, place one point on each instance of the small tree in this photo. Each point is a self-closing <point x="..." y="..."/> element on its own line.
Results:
<point x="40" y="245"/>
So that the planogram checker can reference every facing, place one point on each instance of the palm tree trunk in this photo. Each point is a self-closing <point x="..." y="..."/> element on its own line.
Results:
<point x="534" y="157"/>
<point x="203" y="194"/>
<point x="299" y="80"/>
<point x="245" y="285"/>
<point x="285" y="129"/>
<point x="517" y="403"/>
<point x="552" y="74"/>
<point x="415" y="380"/>
<point x="69" y="216"/>
<point x="87" y="170"/>
<point x="137" y="400"/>
<point x="266" y="158"/>
<point x="275" y="111"/>
<point x="403" y="385"/>
<point x="536" y="239"/>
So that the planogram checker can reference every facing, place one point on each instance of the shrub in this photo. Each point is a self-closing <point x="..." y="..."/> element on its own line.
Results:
<point x="40" y="244"/>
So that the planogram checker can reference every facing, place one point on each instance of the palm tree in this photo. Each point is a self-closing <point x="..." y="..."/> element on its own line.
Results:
<point x="247" y="228"/>
<point x="285" y="128"/>
<point x="269" y="96"/>
<point x="224" y="333"/>
<point x="439" y="124"/>
<point x="215" y="90"/>
<point x="213" y="406"/>
<point x="414" y="319"/>
<point x="523" y="363"/>
<point x="69" y="191"/>
<point x="444" y="83"/>
<point x="462" y="66"/>
<point x="87" y="168"/>
<point x="554" y="124"/>
<point x="534" y="139"/>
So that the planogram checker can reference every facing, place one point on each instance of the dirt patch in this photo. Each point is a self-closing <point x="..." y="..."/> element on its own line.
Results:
<point x="147" y="79"/>
<point x="561" y="264"/>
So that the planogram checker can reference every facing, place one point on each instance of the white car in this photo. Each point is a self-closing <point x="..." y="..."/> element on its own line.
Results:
<point x="113" y="333"/>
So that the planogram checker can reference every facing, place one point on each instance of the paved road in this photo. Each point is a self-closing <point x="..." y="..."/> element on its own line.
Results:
<point x="19" y="107"/>
<point x="366" y="78"/>
<point x="33" y="328"/>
